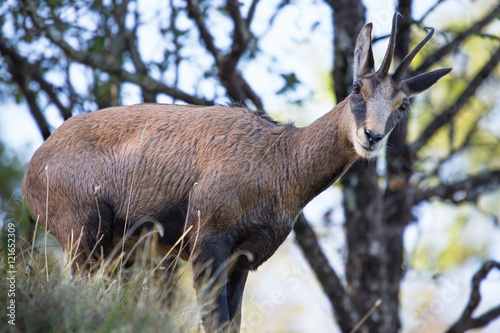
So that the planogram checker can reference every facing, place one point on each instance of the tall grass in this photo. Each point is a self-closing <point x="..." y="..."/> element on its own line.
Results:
<point x="51" y="298"/>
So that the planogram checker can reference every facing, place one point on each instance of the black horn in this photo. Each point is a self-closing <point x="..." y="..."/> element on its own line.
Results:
<point x="386" y="63"/>
<point x="398" y="73"/>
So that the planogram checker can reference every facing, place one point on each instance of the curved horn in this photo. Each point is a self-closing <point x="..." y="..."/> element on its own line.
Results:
<point x="386" y="63"/>
<point x="398" y="73"/>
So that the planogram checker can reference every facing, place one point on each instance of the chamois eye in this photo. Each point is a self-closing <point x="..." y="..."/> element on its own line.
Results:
<point x="356" y="88"/>
<point x="403" y="107"/>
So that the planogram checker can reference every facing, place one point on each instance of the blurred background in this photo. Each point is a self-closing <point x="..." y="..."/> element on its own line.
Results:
<point x="409" y="228"/>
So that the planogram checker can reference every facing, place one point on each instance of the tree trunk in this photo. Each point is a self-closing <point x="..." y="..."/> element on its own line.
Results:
<point x="374" y="220"/>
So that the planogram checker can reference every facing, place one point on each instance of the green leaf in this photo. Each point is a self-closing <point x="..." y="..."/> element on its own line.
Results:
<point x="290" y="82"/>
<point x="97" y="44"/>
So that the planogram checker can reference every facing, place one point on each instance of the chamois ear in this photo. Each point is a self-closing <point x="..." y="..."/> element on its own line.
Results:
<point x="423" y="81"/>
<point x="363" y="55"/>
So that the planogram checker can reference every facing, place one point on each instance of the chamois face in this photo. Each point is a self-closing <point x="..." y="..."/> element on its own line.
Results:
<point x="376" y="106"/>
<point x="379" y="99"/>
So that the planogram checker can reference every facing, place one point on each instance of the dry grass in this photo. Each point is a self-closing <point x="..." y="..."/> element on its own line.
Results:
<point x="51" y="298"/>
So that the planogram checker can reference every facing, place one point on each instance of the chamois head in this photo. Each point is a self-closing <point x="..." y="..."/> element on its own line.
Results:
<point x="379" y="99"/>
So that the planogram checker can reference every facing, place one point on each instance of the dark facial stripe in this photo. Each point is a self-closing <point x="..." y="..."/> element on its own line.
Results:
<point x="358" y="109"/>
<point x="392" y="121"/>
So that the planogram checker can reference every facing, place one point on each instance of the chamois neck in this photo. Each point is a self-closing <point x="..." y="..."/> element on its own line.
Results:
<point x="321" y="153"/>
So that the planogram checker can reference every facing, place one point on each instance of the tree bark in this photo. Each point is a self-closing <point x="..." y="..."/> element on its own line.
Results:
<point x="344" y="311"/>
<point x="374" y="234"/>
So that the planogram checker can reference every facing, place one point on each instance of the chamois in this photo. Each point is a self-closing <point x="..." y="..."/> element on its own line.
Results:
<point x="240" y="178"/>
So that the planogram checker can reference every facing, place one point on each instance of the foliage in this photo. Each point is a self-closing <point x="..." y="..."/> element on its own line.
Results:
<point x="11" y="174"/>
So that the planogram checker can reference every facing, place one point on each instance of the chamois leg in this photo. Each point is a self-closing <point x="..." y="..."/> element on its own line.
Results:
<point x="210" y="277"/>
<point x="74" y="242"/>
<point x="235" y="287"/>
<point x="86" y="236"/>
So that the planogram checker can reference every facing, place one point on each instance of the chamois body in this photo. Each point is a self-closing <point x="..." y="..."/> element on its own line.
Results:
<point x="242" y="171"/>
<point x="234" y="179"/>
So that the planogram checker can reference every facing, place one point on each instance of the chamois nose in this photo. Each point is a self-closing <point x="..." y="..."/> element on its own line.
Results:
<point x="372" y="137"/>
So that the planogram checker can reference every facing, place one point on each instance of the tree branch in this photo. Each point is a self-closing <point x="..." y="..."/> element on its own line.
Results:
<point x="466" y="322"/>
<point x="35" y="75"/>
<point x="345" y="311"/>
<point x="348" y="19"/>
<point x="453" y="110"/>
<point x="140" y="67"/>
<point x="470" y="187"/>
<point x="251" y="13"/>
<point x="241" y="35"/>
<point x="430" y="10"/>
<point x="30" y="97"/>
<point x="205" y="35"/>
<point x="236" y="86"/>
<point x="157" y="87"/>
<point x="102" y="63"/>
<point x="438" y="54"/>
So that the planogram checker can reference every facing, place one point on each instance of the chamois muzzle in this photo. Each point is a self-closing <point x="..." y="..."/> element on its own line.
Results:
<point x="372" y="137"/>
